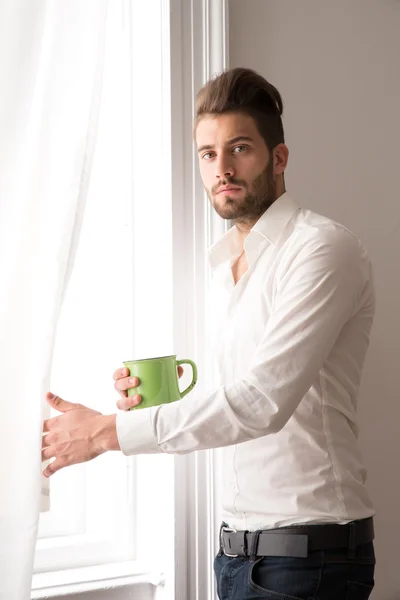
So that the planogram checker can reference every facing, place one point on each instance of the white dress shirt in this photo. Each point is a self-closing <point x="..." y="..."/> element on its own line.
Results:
<point x="290" y="344"/>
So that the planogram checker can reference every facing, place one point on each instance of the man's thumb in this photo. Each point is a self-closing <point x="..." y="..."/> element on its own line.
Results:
<point x="58" y="403"/>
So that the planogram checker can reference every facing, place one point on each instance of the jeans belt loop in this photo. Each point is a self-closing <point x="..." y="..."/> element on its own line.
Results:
<point x="352" y="539"/>
<point x="243" y="544"/>
<point x="254" y="545"/>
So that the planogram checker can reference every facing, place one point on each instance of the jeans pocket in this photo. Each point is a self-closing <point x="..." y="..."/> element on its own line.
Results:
<point x="358" y="591"/>
<point x="283" y="579"/>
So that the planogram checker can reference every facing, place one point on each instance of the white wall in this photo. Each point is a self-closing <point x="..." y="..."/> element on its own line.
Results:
<point x="337" y="65"/>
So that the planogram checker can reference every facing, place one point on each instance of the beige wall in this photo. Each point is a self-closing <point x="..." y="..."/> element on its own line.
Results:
<point x="337" y="65"/>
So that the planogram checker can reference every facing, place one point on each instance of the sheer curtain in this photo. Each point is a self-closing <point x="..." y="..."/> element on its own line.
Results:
<point x="51" y="58"/>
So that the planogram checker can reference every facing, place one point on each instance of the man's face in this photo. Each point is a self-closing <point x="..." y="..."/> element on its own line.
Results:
<point x="236" y="166"/>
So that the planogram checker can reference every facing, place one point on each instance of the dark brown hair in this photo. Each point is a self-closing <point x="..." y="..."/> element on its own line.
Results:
<point x="245" y="91"/>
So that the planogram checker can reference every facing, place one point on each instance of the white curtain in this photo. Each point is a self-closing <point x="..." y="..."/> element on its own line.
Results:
<point x="51" y="58"/>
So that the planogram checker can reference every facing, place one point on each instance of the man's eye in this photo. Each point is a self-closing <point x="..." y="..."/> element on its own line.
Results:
<point x="239" y="149"/>
<point x="207" y="155"/>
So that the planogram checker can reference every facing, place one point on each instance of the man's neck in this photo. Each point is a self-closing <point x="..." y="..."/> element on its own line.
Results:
<point x="244" y="226"/>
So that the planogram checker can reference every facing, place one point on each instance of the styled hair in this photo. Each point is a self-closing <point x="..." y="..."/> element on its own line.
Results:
<point x="244" y="90"/>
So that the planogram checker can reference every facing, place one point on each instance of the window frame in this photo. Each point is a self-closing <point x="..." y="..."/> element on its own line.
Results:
<point x="190" y="502"/>
<point x="203" y="26"/>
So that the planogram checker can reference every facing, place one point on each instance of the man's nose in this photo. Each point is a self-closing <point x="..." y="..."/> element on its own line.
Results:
<point x="225" y="167"/>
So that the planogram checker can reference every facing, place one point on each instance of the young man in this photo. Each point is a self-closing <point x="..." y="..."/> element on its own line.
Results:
<point x="296" y="305"/>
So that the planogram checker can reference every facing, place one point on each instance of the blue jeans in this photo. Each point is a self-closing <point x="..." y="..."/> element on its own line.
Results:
<point x="323" y="575"/>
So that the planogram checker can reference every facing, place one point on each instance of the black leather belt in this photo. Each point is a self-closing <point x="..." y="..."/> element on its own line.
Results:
<point x="296" y="541"/>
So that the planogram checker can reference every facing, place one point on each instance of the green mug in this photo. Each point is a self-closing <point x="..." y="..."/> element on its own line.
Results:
<point x="158" y="380"/>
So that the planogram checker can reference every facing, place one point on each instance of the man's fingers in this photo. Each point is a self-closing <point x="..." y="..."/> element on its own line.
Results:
<point x="128" y="403"/>
<point x="50" y="424"/>
<point x="47" y="453"/>
<point x="47" y="425"/>
<point x="46" y="440"/>
<point x="180" y="371"/>
<point x="54" y="436"/>
<point x="55" y="466"/>
<point x="59" y="404"/>
<point x="50" y="448"/>
<point x="122" y="404"/>
<point x="120" y="373"/>
<point x="126" y="384"/>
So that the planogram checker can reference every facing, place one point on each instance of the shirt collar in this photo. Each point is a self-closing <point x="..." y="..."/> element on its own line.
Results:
<point x="268" y="227"/>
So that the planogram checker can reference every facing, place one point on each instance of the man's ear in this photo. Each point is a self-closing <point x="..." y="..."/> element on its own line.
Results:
<point x="281" y="157"/>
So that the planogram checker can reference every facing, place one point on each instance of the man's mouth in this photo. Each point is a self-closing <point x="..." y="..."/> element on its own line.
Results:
<point x="228" y="189"/>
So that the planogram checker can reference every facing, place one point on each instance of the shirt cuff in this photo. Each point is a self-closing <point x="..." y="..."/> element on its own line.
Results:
<point x="135" y="432"/>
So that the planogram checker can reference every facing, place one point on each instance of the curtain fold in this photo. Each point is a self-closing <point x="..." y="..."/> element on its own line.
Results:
<point x="51" y="60"/>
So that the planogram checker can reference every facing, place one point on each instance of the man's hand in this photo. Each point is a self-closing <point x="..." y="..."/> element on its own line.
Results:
<point x="78" y="435"/>
<point x="123" y="382"/>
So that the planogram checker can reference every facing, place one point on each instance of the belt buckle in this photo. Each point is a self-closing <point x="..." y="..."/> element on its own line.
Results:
<point x="228" y="530"/>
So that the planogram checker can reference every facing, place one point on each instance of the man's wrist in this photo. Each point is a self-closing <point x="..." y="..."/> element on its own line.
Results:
<point x="106" y="433"/>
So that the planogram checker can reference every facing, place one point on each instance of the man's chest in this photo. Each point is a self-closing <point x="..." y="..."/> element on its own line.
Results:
<point x="240" y="314"/>
<point x="239" y="268"/>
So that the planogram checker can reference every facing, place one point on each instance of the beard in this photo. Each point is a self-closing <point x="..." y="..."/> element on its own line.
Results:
<point x="260" y="195"/>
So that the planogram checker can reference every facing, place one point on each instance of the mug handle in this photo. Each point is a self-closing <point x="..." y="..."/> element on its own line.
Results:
<point x="194" y="378"/>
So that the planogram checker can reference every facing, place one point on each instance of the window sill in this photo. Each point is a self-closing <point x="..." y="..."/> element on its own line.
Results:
<point x="99" y="577"/>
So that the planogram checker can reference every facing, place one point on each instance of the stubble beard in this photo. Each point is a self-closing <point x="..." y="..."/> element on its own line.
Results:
<point x="261" y="196"/>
